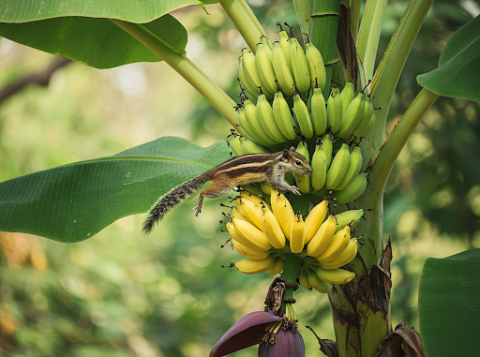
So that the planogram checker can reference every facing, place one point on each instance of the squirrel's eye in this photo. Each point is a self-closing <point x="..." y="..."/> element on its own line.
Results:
<point x="299" y="163"/>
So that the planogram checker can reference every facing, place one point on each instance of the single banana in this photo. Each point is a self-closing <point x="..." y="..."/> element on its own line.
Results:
<point x="354" y="190"/>
<point x="266" y="187"/>
<point x="251" y="147"/>
<point x="316" y="67"/>
<point x="252" y="118"/>
<point x="334" y="110"/>
<point x="315" y="219"/>
<point x="282" y="69"/>
<point x="327" y="145"/>
<point x="233" y="141"/>
<point x="337" y="245"/>
<point x="297" y="235"/>
<point x="335" y="276"/>
<point x="250" y="266"/>
<point x="303" y="279"/>
<point x="267" y="119"/>
<point x="282" y="209"/>
<point x="247" y="252"/>
<point x="351" y="218"/>
<point x="254" y="198"/>
<point x="283" y="39"/>
<point x="348" y="254"/>
<point x="318" y="111"/>
<point x="253" y="212"/>
<point x="250" y="70"/>
<point x="299" y="66"/>
<point x="366" y="116"/>
<point x="347" y="94"/>
<point x="351" y="117"/>
<point x="272" y="229"/>
<point x="246" y="126"/>
<point x="317" y="283"/>
<point x="263" y="61"/>
<point x="237" y="214"/>
<point x="354" y="166"/>
<point x="250" y="236"/>
<point x="362" y="132"/>
<point x="303" y="180"/>
<point x="283" y="116"/>
<point x="303" y="117"/>
<point x="277" y="267"/>
<point x="252" y="91"/>
<point x="238" y="202"/>
<point x="339" y="167"/>
<point x="322" y="238"/>
<point x="319" y="166"/>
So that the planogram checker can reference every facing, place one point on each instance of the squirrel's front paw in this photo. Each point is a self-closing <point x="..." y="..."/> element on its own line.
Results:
<point x="295" y="190"/>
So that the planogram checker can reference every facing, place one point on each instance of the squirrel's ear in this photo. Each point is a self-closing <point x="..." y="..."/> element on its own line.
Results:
<point x="292" y="148"/>
<point x="285" y="155"/>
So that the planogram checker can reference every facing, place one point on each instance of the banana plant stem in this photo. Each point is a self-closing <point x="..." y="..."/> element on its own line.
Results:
<point x="354" y="16"/>
<point x="304" y="8"/>
<point x="290" y="272"/>
<point x="245" y="21"/>
<point x="186" y="68"/>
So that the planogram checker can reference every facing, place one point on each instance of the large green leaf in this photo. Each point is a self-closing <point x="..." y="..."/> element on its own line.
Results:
<point x="458" y="74"/>
<point x="449" y="305"/>
<point x="131" y="11"/>
<point x="73" y="202"/>
<point x="95" y="42"/>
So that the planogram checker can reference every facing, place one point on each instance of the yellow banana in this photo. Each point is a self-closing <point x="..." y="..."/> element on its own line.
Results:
<point x="348" y="254"/>
<point x="263" y="62"/>
<point x="303" y="116"/>
<point x="283" y="116"/>
<point x="297" y="235"/>
<point x="316" y="67"/>
<point x="250" y="266"/>
<point x="282" y="69"/>
<point x="303" y="279"/>
<point x="277" y="267"/>
<point x="354" y="190"/>
<point x="303" y="180"/>
<point x="233" y="141"/>
<point x="252" y="117"/>
<point x="283" y="39"/>
<point x="299" y="66"/>
<point x="351" y="117"/>
<point x="237" y="214"/>
<point x="250" y="236"/>
<point x="314" y="220"/>
<point x="354" y="166"/>
<point x="322" y="238"/>
<point x="366" y="116"/>
<point x="327" y="145"/>
<point x="352" y="218"/>
<point x="253" y="212"/>
<point x="272" y="229"/>
<point x="317" y="283"/>
<point x="319" y="166"/>
<point x="255" y="199"/>
<point x="282" y="209"/>
<point x="247" y="252"/>
<point x="251" y="147"/>
<point x="362" y="132"/>
<point x="337" y="245"/>
<point x="334" y="110"/>
<point x="335" y="276"/>
<point x="238" y="202"/>
<point x="347" y="94"/>
<point x="251" y="90"/>
<point x="339" y="167"/>
<point x="318" y="111"/>
<point x="267" y="120"/>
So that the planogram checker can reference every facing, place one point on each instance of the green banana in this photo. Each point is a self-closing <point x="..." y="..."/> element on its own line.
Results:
<point x="319" y="166"/>
<point x="328" y="148"/>
<point x="252" y="91"/>
<point x="351" y="218"/>
<point x="283" y="115"/>
<point x="334" y="110"/>
<point x="318" y="111"/>
<point x="252" y="117"/>
<point x="251" y="147"/>
<point x="267" y="119"/>
<point x="283" y="39"/>
<point x="347" y="94"/>
<point x="282" y="69"/>
<point x="247" y="127"/>
<point x="339" y="167"/>
<point x="303" y="181"/>
<point x="351" y="117"/>
<point x="362" y="132"/>
<point x="352" y="192"/>
<point x="303" y="117"/>
<point x="263" y="62"/>
<point x="251" y="73"/>
<point x="233" y="141"/>
<point x="316" y="67"/>
<point x="366" y="116"/>
<point x="354" y="166"/>
<point x="299" y="66"/>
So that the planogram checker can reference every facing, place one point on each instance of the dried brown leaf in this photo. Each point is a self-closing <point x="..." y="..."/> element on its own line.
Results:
<point x="402" y="342"/>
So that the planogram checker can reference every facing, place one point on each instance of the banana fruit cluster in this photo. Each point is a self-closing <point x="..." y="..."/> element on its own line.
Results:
<point x="265" y="233"/>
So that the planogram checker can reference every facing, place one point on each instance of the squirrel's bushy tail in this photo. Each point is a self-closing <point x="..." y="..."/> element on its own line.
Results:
<point x="172" y="199"/>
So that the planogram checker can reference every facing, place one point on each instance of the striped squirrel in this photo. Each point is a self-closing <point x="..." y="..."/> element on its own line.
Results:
<point x="238" y="171"/>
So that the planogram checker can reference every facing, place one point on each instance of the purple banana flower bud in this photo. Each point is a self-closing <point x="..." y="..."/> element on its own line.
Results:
<point x="244" y="333"/>
<point x="289" y="344"/>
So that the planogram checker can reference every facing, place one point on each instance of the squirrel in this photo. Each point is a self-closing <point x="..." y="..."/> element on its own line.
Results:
<point x="239" y="171"/>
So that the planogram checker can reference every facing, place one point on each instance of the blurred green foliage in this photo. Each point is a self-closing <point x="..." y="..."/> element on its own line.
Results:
<point x="124" y="294"/>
